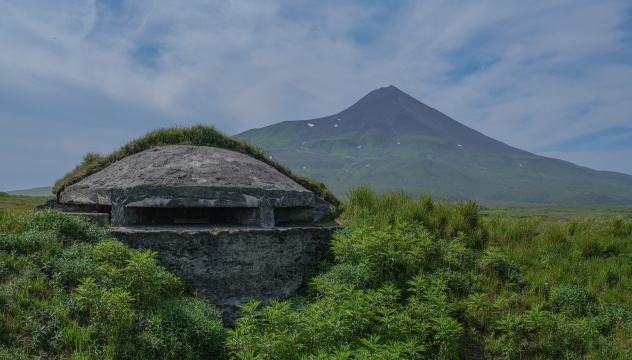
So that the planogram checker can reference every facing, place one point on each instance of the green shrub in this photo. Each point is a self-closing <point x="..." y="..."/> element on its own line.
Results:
<point x="406" y="279"/>
<point x="68" y="289"/>
<point x="186" y="329"/>
<point x="458" y="284"/>
<point x="494" y="261"/>
<point x="423" y="279"/>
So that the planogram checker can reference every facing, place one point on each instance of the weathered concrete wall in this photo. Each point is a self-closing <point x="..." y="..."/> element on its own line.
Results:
<point x="233" y="265"/>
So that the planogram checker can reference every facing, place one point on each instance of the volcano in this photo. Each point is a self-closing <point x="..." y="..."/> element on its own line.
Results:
<point x="391" y="141"/>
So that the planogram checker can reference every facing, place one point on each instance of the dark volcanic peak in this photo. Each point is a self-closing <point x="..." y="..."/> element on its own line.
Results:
<point x="381" y="96"/>
<point x="393" y="112"/>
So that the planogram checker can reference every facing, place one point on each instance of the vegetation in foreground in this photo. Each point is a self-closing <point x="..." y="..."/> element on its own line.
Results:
<point x="406" y="279"/>
<point x="426" y="280"/>
<point x="69" y="290"/>
<point x="198" y="135"/>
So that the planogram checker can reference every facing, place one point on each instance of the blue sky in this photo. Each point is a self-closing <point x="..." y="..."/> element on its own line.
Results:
<point x="550" y="77"/>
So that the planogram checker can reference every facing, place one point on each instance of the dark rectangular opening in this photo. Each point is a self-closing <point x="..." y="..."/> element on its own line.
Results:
<point x="148" y="216"/>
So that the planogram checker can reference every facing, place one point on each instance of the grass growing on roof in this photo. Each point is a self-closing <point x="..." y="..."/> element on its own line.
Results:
<point x="198" y="135"/>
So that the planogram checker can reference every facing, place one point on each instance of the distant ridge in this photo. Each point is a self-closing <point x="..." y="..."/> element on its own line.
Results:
<point x="390" y="140"/>
<point x="40" y="191"/>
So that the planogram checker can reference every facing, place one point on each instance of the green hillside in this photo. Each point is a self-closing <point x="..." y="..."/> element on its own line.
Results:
<point x="420" y="165"/>
<point x="392" y="141"/>
<point x="40" y="191"/>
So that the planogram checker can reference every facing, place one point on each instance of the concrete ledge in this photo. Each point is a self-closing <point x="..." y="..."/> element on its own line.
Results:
<point x="232" y="265"/>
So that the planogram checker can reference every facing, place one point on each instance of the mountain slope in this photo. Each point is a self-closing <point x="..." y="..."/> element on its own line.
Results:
<point x="392" y="141"/>
<point x="40" y="191"/>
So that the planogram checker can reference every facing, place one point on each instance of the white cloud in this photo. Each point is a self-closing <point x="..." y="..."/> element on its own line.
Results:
<point x="529" y="74"/>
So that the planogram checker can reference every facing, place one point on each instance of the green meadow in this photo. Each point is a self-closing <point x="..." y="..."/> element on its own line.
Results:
<point x="20" y="202"/>
<point x="556" y="213"/>
<point x="405" y="278"/>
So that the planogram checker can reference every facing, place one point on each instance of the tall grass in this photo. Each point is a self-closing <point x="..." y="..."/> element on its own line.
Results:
<point x="591" y="252"/>
<point x="407" y="279"/>
<point x="418" y="279"/>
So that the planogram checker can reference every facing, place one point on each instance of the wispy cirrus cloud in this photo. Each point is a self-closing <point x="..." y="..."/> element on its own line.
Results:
<point x="547" y="77"/>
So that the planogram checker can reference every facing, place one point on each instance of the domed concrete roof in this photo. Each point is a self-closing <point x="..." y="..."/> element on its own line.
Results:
<point x="184" y="176"/>
<point x="186" y="165"/>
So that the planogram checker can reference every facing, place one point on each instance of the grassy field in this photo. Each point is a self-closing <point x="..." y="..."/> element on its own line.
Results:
<point x="20" y="202"/>
<point x="556" y="212"/>
<point x="405" y="279"/>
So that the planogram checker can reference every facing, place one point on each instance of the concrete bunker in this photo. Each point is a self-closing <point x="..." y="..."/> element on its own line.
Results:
<point x="216" y="217"/>
<point x="182" y="184"/>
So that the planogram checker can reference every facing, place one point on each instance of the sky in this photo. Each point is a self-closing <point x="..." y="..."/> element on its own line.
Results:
<point x="78" y="76"/>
